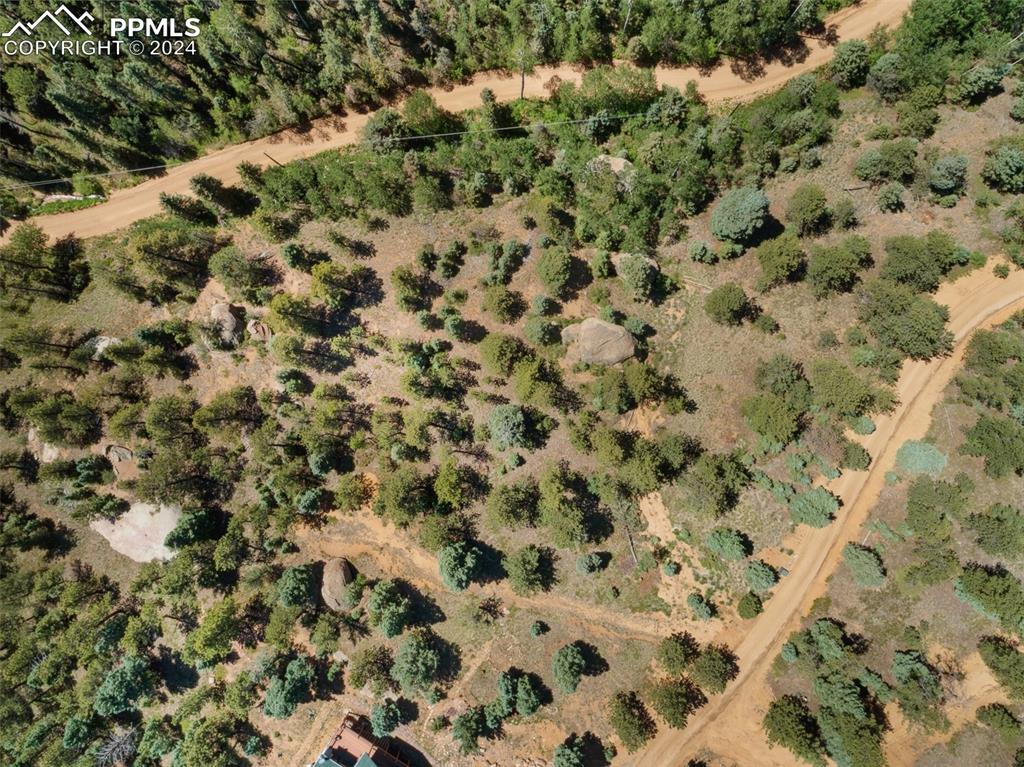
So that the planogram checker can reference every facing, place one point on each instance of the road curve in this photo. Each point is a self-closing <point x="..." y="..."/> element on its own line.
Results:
<point x="724" y="83"/>
<point x="977" y="300"/>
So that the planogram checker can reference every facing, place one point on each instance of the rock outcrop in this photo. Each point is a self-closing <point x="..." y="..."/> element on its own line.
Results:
<point x="597" y="342"/>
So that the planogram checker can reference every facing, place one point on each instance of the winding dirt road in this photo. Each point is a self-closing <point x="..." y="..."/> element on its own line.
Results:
<point x="724" y="83"/>
<point x="978" y="300"/>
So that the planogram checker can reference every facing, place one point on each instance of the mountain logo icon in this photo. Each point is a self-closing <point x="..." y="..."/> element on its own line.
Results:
<point x="70" y="22"/>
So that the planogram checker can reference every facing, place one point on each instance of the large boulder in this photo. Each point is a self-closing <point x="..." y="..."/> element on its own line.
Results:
<point x="225" y="317"/>
<point x="259" y="330"/>
<point x="597" y="342"/>
<point x="338" y="573"/>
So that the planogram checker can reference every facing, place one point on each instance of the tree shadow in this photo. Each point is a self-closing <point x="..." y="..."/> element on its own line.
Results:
<point x="491" y="568"/>
<point x="424" y="611"/>
<point x="594" y="662"/>
<point x="178" y="675"/>
<point x="593" y="750"/>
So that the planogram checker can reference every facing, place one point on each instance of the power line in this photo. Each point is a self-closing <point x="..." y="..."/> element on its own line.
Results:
<point x="396" y="140"/>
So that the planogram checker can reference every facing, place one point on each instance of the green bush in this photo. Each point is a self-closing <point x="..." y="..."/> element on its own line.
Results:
<point x="979" y="83"/>
<point x="816" y="507"/>
<point x="1004" y="170"/>
<point x="917" y="457"/>
<point x="865" y="564"/>
<point x="676" y="652"/>
<point x="749" y="606"/>
<point x="727" y="304"/>
<point x="890" y="161"/>
<point x="567" y="667"/>
<point x="890" y="198"/>
<point x="887" y="77"/>
<point x="459" y="564"/>
<point x="631" y="720"/>
<point x="781" y="259"/>
<point x="701" y="252"/>
<point x="739" y="215"/>
<point x="834" y="269"/>
<point x="808" y="210"/>
<point x="729" y="544"/>
<point x="948" y="174"/>
<point x="849" y="66"/>
<point x="701" y="608"/>
<point x="760" y="576"/>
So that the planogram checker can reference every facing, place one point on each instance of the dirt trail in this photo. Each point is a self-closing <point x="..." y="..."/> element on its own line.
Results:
<point x="977" y="300"/>
<point x="724" y="83"/>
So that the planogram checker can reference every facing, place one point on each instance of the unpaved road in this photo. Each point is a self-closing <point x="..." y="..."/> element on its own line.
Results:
<point x="730" y="724"/>
<point x="720" y="84"/>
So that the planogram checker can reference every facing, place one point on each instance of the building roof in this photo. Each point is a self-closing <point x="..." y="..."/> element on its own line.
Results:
<point x="366" y="761"/>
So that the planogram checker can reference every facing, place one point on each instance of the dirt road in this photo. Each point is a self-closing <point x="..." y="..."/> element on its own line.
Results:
<point x="724" y="83"/>
<point x="978" y="300"/>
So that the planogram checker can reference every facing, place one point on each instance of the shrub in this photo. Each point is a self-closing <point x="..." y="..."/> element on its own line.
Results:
<point x="900" y="319"/>
<point x="1000" y="441"/>
<point x="838" y="390"/>
<point x="572" y="753"/>
<point x="816" y="507"/>
<point x="921" y="262"/>
<point x="506" y="305"/>
<point x="418" y="662"/>
<point x="834" y="269"/>
<point x="760" y="576"/>
<point x="948" y="174"/>
<point x="740" y="215"/>
<point x="781" y="259"/>
<point x="890" y="161"/>
<point x="1004" y="170"/>
<point x="500" y="353"/>
<point x="865" y="564"/>
<point x="285" y="693"/>
<point x="849" y="67"/>
<point x="296" y="586"/>
<point x="916" y="457"/>
<point x="789" y="723"/>
<point x="1001" y="719"/>
<point x="384" y="718"/>
<point x="639" y="275"/>
<point x="676" y="652"/>
<point x="631" y="720"/>
<point x="999" y="530"/>
<point x="714" y="668"/>
<point x="701" y="252"/>
<point x="772" y="418"/>
<point x="978" y="83"/>
<point x="844" y="213"/>
<point x="459" y="563"/>
<point x="507" y="425"/>
<point x="890" y="198"/>
<point x="567" y="667"/>
<point x="554" y="267"/>
<point x="513" y="505"/>
<point x="729" y="543"/>
<point x="675" y="699"/>
<point x="727" y="304"/>
<point x="530" y="570"/>
<point x="1006" y="664"/>
<point x="702" y="609"/>
<point x="749" y="606"/>
<point x="388" y="608"/>
<point x="887" y="77"/>
<point x="808" y="210"/>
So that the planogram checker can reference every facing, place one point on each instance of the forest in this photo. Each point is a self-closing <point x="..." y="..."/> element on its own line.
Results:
<point x="263" y="66"/>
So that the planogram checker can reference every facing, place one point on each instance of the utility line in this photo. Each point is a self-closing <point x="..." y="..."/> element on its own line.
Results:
<point x="396" y="140"/>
